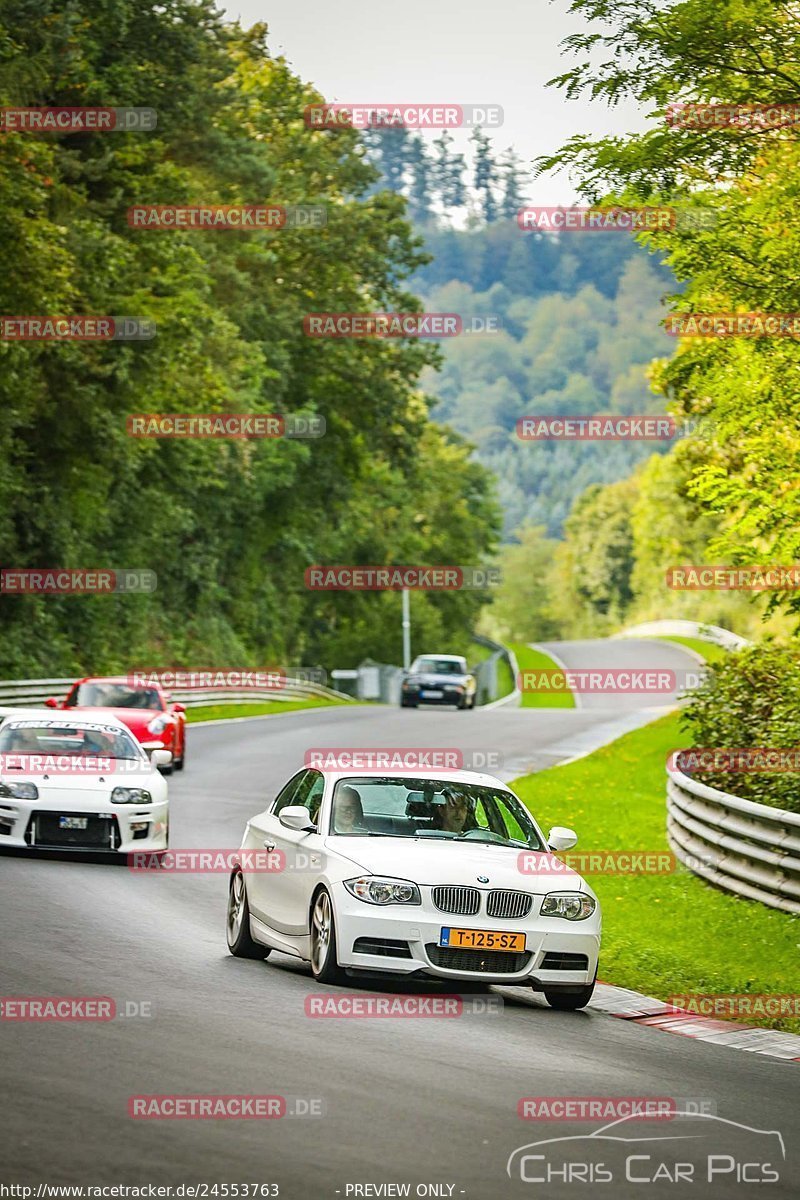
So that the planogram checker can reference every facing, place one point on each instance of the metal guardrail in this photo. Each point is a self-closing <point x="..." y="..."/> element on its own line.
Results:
<point x="16" y="693"/>
<point x="485" y="673"/>
<point x="680" y="628"/>
<point x="749" y="849"/>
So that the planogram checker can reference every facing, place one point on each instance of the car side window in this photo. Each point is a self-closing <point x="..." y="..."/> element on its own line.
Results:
<point x="310" y="793"/>
<point x="286" y="795"/>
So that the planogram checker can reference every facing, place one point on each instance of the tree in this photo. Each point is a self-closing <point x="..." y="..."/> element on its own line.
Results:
<point x="742" y="179"/>
<point x="228" y="527"/>
<point x="522" y="610"/>
<point x="421" y="189"/>
<point x="512" y="181"/>
<point x="485" y="175"/>
<point x="448" y="173"/>
<point x="595" y="561"/>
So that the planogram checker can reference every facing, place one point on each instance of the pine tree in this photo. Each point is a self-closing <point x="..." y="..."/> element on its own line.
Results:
<point x="485" y="175"/>
<point x="422" y="186"/>
<point x="449" y="173"/>
<point x="512" y="198"/>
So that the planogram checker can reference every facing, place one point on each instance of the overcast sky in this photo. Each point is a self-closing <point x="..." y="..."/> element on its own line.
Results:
<point x="458" y="51"/>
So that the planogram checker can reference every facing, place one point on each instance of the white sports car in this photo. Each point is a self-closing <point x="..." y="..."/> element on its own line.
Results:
<point x="439" y="874"/>
<point x="79" y="782"/>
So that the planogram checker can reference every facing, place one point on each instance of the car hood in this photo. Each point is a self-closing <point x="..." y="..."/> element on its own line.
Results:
<point x="430" y="861"/>
<point x="136" y="719"/>
<point x="101" y="785"/>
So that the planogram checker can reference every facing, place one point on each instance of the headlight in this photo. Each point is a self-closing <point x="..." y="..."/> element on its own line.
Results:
<point x="572" y="906"/>
<point x="158" y="724"/>
<point x="373" y="889"/>
<point x="20" y="791"/>
<point x="122" y="795"/>
<point x="453" y="687"/>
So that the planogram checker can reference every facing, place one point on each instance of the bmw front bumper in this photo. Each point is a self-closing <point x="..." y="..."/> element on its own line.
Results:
<point x="404" y="940"/>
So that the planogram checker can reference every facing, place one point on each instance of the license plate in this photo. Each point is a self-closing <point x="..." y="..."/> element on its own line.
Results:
<point x="432" y="695"/>
<point x="73" y="822"/>
<point x="482" y="939"/>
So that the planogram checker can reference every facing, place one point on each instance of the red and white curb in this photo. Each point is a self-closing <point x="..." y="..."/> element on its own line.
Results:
<point x="646" y="1010"/>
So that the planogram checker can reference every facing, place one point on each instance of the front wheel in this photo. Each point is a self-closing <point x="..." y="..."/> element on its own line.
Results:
<point x="237" y="925"/>
<point x="324" y="965"/>
<point x="179" y="763"/>
<point x="569" y="1001"/>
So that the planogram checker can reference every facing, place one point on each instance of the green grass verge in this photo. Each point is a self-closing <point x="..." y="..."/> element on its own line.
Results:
<point x="710" y="651"/>
<point x="537" y="660"/>
<point x="662" y="934"/>
<point x="212" y="712"/>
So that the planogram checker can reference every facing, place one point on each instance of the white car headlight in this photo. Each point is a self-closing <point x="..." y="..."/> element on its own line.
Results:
<point x="20" y="791"/>
<point x="123" y="795"/>
<point x="374" y="889"/>
<point x="572" y="906"/>
<point x="158" y="724"/>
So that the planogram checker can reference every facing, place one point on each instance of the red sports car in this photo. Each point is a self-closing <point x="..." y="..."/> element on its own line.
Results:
<point x="149" y="712"/>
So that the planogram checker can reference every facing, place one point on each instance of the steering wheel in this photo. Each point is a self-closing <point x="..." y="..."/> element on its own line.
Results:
<point x="483" y="835"/>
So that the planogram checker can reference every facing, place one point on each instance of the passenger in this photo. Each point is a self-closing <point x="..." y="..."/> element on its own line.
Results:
<point x="348" y="816"/>
<point x="25" y="741"/>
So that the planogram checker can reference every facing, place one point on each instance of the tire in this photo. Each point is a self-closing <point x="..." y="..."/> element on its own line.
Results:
<point x="237" y="922"/>
<point x="569" y="1001"/>
<point x="408" y="704"/>
<point x="179" y="763"/>
<point x="324" y="964"/>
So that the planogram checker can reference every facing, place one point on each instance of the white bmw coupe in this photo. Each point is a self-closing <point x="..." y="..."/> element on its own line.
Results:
<point x="79" y="782"/>
<point x="439" y="874"/>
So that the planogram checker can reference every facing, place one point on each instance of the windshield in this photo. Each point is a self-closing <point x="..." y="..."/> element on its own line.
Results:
<point x="114" y="695"/>
<point x="74" y="740"/>
<point x="439" y="666"/>
<point x="384" y="806"/>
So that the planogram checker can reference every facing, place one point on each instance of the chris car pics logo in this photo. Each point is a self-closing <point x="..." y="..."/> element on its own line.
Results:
<point x="691" y="1148"/>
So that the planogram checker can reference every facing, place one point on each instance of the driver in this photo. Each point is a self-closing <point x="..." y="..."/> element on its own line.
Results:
<point x="454" y="816"/>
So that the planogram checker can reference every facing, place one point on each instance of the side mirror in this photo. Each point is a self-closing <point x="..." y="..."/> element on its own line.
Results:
<point x="560" y="838"/>
<point x="179" y="708"/>
<point x="294" y="816"/>
<point x="51" y="702"/>
<point x="161" y="758"/>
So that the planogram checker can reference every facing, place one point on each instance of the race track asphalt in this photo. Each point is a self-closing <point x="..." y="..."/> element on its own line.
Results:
<point x="407" y="1101"/>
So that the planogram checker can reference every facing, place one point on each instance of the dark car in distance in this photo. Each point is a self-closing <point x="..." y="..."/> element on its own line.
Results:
<point x="439" y="679"/>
